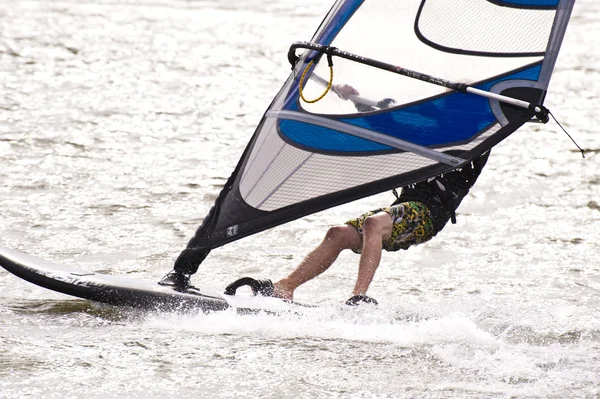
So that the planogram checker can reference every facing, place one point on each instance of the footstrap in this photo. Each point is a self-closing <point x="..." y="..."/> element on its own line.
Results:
<point x="359" y="299"/>
<point x="258" y="287"/>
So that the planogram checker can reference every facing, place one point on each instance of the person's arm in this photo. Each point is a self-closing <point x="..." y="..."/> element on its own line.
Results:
<point x="344" y="91"/>
<point x="347" y="92"/>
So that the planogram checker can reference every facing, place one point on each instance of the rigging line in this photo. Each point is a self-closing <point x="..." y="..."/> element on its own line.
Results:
<point x="327" y="88"/>
<point x="563" y="129"/>
<point x="461" y="87"/>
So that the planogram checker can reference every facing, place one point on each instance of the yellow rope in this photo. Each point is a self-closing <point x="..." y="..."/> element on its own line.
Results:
<point x="326" y="90"/>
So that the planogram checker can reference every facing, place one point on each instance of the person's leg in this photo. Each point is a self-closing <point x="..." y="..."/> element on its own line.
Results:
<point x="320" y="259"/>
<point x="376" y="229"/>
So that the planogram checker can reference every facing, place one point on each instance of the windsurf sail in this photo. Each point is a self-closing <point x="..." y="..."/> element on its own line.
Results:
<point x="463" y="75"/>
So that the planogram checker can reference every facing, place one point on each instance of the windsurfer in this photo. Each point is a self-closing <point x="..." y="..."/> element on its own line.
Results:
<point x="418" y="214"/>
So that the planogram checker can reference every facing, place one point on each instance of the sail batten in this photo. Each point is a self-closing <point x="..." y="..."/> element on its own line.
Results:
<point x="490" y="63"/>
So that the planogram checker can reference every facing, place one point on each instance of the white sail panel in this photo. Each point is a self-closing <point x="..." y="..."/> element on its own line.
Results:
<point x="279" y="175"/>
<point x="481" y="26"/>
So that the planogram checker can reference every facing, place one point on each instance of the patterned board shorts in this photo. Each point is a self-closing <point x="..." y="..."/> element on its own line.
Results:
<point x="412" y="225"/>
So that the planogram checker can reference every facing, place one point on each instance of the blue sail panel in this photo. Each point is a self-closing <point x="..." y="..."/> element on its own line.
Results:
<point x="323" y="139"/>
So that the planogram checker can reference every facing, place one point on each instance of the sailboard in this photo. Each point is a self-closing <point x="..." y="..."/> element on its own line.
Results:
<point x="135" y="293"/>
<point x="440" y="82"/>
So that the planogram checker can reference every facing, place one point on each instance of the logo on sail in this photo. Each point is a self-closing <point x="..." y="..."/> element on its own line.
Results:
<point x="232" y="230"/>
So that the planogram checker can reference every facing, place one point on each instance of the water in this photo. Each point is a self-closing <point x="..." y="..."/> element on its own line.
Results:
<point x="121" y="120"/>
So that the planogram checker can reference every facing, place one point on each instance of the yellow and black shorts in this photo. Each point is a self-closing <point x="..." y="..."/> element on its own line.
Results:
<point x="412" y="225"/>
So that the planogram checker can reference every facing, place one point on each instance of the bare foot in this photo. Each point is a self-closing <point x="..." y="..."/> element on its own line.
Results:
<point x="282" y="291"/>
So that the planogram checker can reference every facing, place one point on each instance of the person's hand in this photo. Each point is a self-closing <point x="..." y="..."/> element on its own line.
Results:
<point x="345" y="91"/>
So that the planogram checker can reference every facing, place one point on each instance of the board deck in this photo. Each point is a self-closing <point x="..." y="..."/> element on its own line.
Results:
<point x="129" y="292"/>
